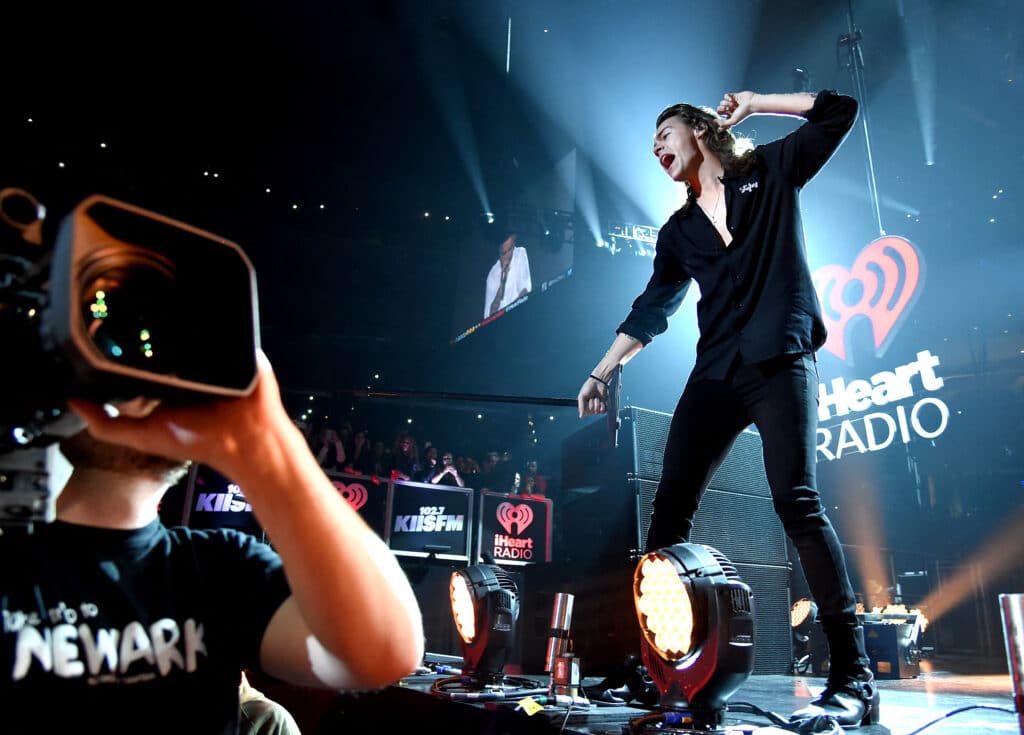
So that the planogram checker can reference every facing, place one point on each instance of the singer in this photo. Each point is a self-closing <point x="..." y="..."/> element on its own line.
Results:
<point x="739" y="236"/>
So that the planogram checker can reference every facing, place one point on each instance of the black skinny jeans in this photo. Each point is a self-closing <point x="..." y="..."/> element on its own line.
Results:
<point x="781" y="398"/>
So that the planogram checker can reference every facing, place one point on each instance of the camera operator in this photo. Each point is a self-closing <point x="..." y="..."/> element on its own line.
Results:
<point x="109" y="618"/>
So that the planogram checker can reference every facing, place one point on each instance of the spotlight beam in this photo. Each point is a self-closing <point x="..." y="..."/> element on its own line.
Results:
<point x="919" y="30"/>
<point x="450" y="100"/>
<point x="986" y="564"/>
<point x="868" y="533"/>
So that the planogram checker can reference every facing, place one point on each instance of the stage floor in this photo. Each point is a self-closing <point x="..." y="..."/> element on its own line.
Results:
<point x="906" y="705"/>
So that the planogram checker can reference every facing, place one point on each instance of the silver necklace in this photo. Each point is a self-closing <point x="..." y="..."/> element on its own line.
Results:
<point x="714" y="215"/>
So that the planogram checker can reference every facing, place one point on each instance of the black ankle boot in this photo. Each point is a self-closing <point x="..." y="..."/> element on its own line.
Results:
<point x="851" y="700"/>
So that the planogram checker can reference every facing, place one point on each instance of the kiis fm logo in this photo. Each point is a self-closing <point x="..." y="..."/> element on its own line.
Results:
<point x="888" y="273"/>
<point x="515" y="519"/>
<point x="231" y="501"/>
<point x="431" y="519"/>
<point x="354" y="494"/>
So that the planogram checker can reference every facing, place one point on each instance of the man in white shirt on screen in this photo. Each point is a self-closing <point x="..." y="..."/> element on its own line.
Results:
<point x="509" y="277"/>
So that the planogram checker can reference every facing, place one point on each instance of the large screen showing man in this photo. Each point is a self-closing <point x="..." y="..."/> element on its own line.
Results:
<point x="535" y="253"/>
<point x="509" y="277"/>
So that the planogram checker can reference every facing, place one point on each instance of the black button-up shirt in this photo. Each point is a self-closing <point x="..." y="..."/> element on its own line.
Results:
<point x="757" y="297"/>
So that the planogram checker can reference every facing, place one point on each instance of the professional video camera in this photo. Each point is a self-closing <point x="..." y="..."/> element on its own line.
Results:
<point x="117" y="303"/>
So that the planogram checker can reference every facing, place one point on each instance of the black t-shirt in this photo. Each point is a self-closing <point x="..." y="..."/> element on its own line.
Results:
<point x="757" y="297"/>
<point x="131" y="631"/>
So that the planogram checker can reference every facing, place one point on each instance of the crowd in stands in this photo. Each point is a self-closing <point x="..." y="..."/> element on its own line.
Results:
<point x="340" y="449"/>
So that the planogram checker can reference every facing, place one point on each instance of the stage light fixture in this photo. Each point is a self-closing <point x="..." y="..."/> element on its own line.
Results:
<point x="803" y="615"/>
<point x="697" y="624"/>
<point x="485" y="608"/>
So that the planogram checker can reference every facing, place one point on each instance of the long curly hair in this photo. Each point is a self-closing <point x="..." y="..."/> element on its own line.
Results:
<point x="735" y="153"/>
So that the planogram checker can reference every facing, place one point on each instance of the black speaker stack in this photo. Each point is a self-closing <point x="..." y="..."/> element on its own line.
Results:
<point x="601" y="528"/>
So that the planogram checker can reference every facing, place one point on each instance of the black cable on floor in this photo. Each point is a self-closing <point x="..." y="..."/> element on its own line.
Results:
<point x="958" y="711"/>
<point x="459" y="687"/>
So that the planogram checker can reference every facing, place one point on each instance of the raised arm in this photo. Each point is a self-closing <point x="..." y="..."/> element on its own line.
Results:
<point x="802" y="153"/>
<point x="352" y="620"/>
<point x="738" y="106"/>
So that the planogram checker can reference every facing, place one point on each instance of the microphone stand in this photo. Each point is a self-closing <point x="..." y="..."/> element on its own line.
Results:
<point x="614" y="396"/>
<point x="851" y="41"/>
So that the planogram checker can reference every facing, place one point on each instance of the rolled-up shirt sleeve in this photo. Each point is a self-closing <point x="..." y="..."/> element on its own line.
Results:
<point x="802" y="153"/>
<point x="663" y="295"/>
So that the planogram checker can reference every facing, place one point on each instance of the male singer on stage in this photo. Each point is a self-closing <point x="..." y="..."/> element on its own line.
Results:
<point x="509" y="277"/>
<point x="739" y="236"/>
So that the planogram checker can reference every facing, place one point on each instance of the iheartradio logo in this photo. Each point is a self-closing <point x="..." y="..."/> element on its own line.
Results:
<point x="887" y="274"/>
<point x="520" y="516"/>
<point x="354" y="494"/>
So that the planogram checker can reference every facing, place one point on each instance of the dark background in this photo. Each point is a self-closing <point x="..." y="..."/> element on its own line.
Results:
<point x="384" y="111"/>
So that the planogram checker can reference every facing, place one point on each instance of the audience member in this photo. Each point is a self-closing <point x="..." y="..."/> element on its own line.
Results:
<point x="360" y="460"/>
<point x="469" y="468"/>
<point x="429" y="466"/>
<point x="505" y="474"/>
<point x="330" y="452"/>
<point x="346" y="437"/>
<point x="405" y="459"/>
<point x="533" y="483"/>
<point x="489" y="471"/>
<point x="382" y="459"/>
<point x="447" y="473"/>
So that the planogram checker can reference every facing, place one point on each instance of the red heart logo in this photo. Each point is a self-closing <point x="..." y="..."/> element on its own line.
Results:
<point x="520" y="515"/>
<point x="888" y="272"/>
<point x="354" y="494"/>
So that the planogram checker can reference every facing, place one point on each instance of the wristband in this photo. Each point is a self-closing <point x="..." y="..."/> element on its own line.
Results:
<point x="605" y="383"/>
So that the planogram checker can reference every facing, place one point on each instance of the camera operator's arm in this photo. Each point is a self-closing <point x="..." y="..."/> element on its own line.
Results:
<point x="352" y="620"/>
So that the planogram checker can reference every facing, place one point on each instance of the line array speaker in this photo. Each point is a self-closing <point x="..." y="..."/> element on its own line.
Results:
<point x="647" y="433"/>
<point x="743" y="527"/>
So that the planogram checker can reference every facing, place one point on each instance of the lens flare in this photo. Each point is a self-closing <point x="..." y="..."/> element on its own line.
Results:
<point x="134" y="300"/>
